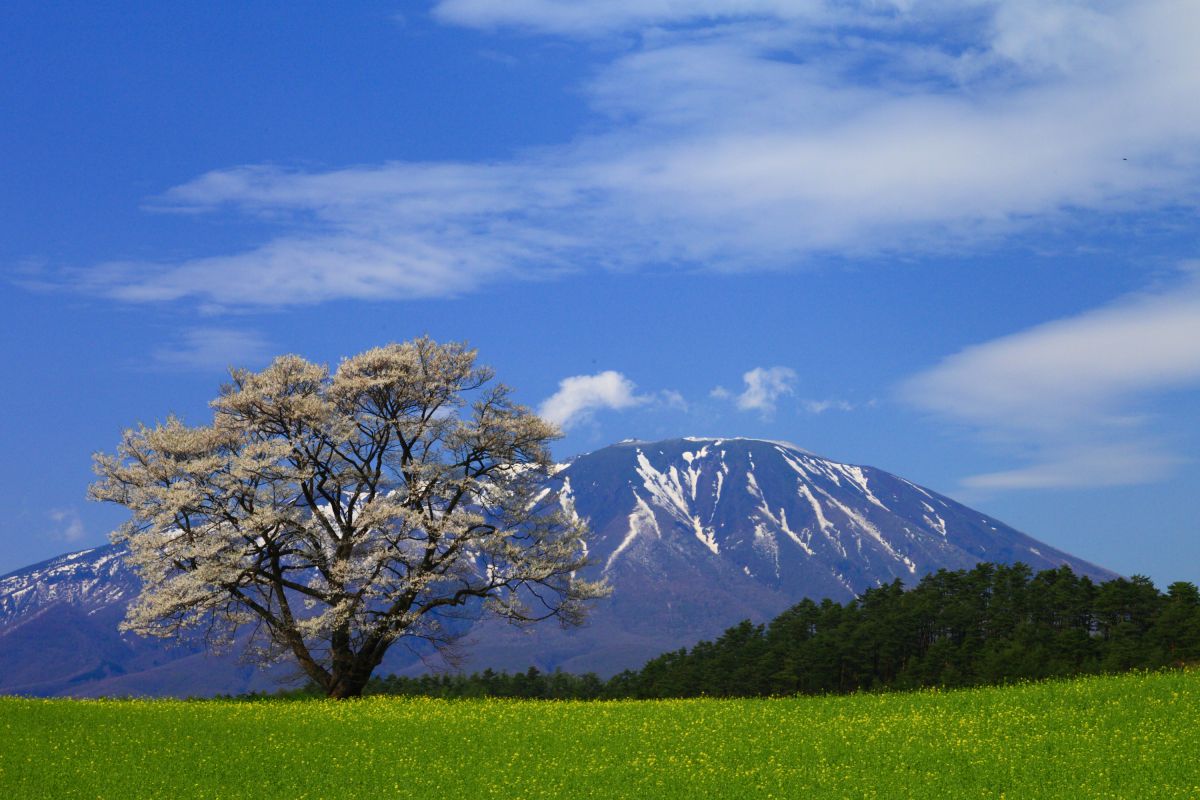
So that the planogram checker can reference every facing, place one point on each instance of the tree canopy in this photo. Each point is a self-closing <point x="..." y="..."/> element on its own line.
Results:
<point x="333" y="515"/>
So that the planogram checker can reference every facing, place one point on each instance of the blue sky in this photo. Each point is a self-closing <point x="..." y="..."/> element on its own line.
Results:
<point x="953" y="240"/>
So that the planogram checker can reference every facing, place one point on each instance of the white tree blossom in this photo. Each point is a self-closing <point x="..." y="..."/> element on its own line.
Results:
<point x="339" y="513"/>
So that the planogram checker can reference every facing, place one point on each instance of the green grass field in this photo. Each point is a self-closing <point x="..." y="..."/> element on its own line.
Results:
<point x="1123" y="737"/>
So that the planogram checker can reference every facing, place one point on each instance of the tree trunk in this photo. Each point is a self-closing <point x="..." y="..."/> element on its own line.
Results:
<point x="351" y="671"/>
<point x="345" y="687"/>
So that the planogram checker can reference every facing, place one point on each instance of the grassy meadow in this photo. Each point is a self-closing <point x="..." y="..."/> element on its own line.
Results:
<point x="1130" y="736"/>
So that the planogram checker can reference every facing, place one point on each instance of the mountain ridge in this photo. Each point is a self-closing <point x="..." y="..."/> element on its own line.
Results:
<point x="694" y="534"/>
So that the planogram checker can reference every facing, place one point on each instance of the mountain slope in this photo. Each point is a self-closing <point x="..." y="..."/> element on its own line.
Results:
<point x="694" y="535"/>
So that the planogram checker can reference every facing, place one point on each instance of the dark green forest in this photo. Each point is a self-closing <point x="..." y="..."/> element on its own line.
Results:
<point x="988" y="625"/>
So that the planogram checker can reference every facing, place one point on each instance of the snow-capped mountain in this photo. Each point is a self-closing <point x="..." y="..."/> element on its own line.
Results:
<point x="697" y="534"/>
<point x="693" y="534"/>
<point x="88" y="579"/>
<point x="780" y="516"/>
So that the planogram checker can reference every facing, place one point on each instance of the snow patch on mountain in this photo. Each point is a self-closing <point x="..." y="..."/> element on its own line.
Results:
<point x="668" y="493"/>
<point x="859" y="479"/>
<point x="641" y="522"/>
<point x="91" y="578"/>
<point x="934" y="521"/>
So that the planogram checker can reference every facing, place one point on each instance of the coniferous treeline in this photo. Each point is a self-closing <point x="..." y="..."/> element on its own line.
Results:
<point x="990" y="624"/>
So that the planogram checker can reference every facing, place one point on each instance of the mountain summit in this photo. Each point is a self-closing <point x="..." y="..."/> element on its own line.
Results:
<point x="693" y="534"/>
<point x="781" y="516"/>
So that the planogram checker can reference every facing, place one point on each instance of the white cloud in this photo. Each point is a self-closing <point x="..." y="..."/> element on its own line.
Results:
<point x="211" y="348"/>
<point x="764" y="387"/>
<point x="1067" y="391"/>
<point x="1053" y="374"/>
<point x="579" y="396"/>
<point x="68" y="526"/>
<point x="742" y="135"/>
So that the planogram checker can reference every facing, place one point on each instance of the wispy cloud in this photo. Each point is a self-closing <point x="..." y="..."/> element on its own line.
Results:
<point x="740" y="135"/>
<point x="1084" y="466"/>
<point x="67" y="525"/>
<point x="1068" y="392"/>
<point x="821" y="406"/>
<point x="605" y="17"/>
<point x="211" y="348"/>
<point x="580" y="396"/>
<point x="764" y="387"/>
<point x="671" y="399"/>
